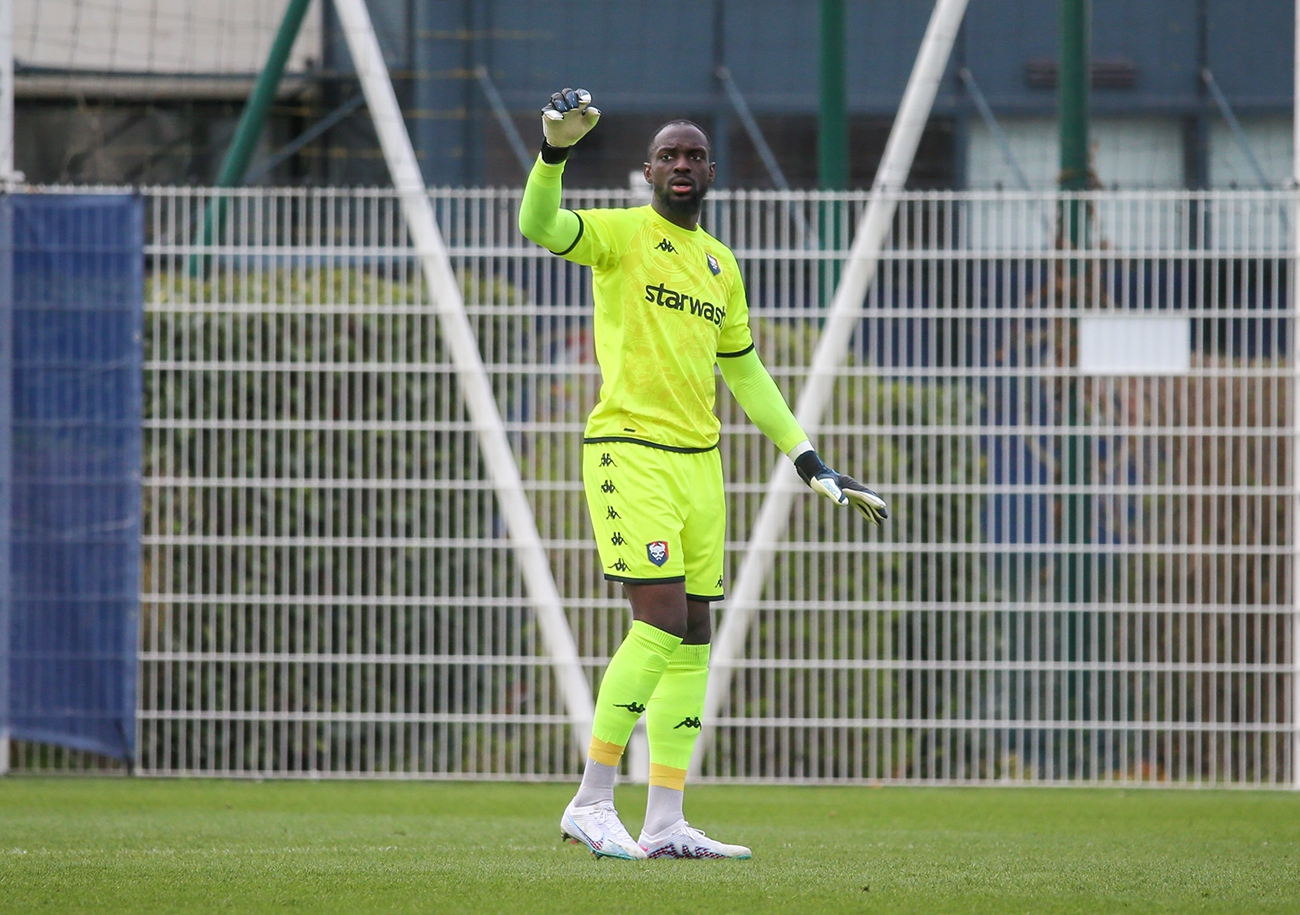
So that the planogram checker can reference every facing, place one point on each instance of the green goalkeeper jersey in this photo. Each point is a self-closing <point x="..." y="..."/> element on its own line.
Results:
<point x="668" y="302"/>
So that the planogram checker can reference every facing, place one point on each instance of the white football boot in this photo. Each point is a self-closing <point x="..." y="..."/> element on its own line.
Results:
<point x="599" y="828"/>
<point x="682" y="840"/>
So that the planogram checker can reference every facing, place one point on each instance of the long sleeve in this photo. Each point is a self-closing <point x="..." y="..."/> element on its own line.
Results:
<point x="761" y="399"/>
<point x="541" y="219"/>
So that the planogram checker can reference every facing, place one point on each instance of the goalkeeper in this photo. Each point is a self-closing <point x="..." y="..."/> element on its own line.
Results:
<point x="669" y="305"/>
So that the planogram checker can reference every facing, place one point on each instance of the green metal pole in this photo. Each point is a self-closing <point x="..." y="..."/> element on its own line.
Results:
<point x="1072" y="97"/>
<point x="1074" y="580"/>
<point x="249" y="129"/>
<point x="833" y="132"/>
<point x="832" y="136"/>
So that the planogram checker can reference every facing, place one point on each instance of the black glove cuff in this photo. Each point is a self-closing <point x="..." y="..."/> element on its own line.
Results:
<point x="554" y="155"/>
<point x="809" y="464"/>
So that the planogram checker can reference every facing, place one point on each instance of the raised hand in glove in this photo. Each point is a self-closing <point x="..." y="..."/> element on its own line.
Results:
<point x="567" y="117"/>
<point x="840" y="489"/>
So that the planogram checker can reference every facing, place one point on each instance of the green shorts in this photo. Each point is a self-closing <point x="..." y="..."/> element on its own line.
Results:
<point x="658" y="515"/>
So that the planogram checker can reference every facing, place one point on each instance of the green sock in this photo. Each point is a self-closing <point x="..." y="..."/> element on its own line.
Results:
<point x="629" y="681"/>
<point x="673" y="720"/>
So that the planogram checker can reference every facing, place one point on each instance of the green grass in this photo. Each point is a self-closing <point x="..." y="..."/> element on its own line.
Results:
<point x="127" y="845"/>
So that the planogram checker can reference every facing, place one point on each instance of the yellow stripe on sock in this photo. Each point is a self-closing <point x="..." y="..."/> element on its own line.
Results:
<point x="667" y="777"/>
<point x="603" y="752"/>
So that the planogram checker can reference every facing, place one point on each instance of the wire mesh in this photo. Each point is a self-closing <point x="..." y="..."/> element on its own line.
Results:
<point x="1086" y="576"/>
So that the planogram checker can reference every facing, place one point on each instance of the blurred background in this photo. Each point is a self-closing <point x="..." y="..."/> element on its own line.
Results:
<point x="249" y="523"/>
<point x="1184" y="93"/>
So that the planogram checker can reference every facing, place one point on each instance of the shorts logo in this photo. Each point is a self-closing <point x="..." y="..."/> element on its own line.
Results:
<point x="657" y="551"/>
<point x="713" y="264"/>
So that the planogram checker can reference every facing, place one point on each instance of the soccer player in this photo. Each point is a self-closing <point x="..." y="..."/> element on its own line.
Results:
<point x="669" y="305"/>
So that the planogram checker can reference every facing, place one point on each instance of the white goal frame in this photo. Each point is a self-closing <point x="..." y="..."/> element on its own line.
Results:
<point x="399" y="154"/>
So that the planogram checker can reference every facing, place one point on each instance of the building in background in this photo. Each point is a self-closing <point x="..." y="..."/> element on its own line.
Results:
<point x="1186" y="93"/>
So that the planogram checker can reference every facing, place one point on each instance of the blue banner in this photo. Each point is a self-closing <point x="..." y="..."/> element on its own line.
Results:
<point x="71" y="312"/>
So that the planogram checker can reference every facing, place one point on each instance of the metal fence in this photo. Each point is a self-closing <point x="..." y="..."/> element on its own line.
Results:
<point x="1086" y="438"/>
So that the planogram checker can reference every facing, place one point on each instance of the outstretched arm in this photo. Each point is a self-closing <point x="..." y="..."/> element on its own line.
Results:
<point x="566" y="118"/>
<point x="761" y="399"/>
<point x="838" y="487"/>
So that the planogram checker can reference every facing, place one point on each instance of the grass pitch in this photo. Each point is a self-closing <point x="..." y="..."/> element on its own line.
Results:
<point x="128" y="846"/>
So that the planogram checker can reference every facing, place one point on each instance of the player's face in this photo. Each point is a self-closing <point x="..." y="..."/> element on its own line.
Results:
<point x="680" y="170"/>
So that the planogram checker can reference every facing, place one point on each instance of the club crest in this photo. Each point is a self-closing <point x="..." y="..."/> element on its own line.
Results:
<point x="713" y="263"/>
<point x="657" y="551"/>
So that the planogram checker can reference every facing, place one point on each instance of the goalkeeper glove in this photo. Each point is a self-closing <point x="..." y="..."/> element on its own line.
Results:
<point x="567" y="117"/>
<point x="838" y="488"/>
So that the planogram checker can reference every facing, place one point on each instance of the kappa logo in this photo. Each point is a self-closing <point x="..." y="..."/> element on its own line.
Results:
<point x="657" y="551"/>
<point x="689" y="722"/>
<point x="666" y="245"/>
<point x="636" y="708"/>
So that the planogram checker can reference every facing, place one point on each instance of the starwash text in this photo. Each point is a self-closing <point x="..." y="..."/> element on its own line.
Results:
<point x="683" y="301"/>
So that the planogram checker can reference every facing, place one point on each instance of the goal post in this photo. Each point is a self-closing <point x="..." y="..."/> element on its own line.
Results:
<point x="7" y="174"/>
<point x="832" y="347"/>
<point x="489" y="428"/>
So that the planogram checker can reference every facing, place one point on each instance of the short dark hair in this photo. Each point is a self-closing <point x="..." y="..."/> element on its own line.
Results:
<point x="678" y="122"/>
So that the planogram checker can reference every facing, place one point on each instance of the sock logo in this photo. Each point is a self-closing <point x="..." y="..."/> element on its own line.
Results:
<point x="689" y="723"/>
<point x="636" y="708"/>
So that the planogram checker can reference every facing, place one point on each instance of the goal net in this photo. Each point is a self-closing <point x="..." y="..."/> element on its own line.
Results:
<point x="75" y="39"/>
